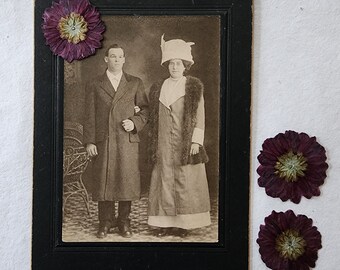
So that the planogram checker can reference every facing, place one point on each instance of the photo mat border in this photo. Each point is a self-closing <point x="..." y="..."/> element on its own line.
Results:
<point x="47" y="247"/>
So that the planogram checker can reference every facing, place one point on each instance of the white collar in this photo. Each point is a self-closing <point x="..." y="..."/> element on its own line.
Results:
<point x="172" y="90"/>
<point x="115" y="77"/>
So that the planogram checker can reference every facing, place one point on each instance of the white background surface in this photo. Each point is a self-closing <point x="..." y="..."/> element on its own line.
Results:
<point x="296" y="85"/>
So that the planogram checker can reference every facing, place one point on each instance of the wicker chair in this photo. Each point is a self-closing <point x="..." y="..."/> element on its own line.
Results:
<point x="75" y="162"/>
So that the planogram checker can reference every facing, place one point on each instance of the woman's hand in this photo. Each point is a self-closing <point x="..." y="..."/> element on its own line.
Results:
<point x="91" y="150"/>
<point x="194" y="148"/>
<point x="128" y="125"/>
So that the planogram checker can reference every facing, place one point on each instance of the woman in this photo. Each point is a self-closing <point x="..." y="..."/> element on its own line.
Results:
<point x="178" y="197"/>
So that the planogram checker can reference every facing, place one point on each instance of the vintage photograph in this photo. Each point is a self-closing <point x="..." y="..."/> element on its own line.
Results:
<point x="141" y="152"/>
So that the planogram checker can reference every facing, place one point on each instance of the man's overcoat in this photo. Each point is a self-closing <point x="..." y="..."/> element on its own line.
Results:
<point x="116" y="168"/>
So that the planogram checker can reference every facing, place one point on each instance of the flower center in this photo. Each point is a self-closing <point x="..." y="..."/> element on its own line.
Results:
<point x="73" y="28"/>
<point x="290" y="245"/>
<point x="290" y="166"/>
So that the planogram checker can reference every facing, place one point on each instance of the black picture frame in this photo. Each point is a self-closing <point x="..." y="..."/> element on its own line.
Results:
<point x="231" y="252"/>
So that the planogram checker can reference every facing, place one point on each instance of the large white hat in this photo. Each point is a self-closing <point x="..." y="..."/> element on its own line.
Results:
<point x="176" y="49"/>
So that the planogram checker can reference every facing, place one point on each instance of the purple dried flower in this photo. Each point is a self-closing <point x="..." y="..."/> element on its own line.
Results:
<point x="289" y="242"/>
<point x="292" y="165"/>
<point x="72" y="29"/>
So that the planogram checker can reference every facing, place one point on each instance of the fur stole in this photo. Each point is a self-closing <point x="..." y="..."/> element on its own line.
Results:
<point x="193" y="92"/>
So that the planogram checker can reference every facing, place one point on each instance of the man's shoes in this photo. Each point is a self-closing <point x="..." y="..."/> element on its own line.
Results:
<point x="103" y="230"/>
<point x="125" y="230"/>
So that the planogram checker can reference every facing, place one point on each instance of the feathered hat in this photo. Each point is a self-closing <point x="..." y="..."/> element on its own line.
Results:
<point x="176" y="49"/>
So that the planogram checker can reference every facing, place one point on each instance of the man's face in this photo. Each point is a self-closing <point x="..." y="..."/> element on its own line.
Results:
<point x="115" y="59"/>
<point x="176" y="68"/>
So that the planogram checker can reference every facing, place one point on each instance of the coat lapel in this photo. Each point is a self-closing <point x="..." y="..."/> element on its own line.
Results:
<point x="122" y="89"/>
<point x="107" y="86"/>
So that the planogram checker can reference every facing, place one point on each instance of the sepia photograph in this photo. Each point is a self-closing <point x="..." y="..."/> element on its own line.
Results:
<point x="141" y="154"/>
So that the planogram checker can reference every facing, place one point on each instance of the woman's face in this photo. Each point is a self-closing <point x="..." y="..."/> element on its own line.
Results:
<point x="176" y="68"/>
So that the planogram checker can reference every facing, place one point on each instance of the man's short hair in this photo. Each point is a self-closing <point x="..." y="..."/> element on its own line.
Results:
<point x="114" y="46"/>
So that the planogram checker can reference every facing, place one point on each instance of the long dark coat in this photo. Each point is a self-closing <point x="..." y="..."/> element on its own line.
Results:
<point x="116" y="168"/>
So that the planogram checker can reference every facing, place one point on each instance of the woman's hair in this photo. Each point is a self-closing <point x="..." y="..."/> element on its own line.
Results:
<point x="187" y="65"/>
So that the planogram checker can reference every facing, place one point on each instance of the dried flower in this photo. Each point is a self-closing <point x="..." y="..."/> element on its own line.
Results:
<point x="73" y="29"/>
<point x="292" y="165"/>
<point x="289" y="242"/>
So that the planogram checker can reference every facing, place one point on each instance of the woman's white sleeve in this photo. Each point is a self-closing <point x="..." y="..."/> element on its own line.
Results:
<point x="198" y="134"/>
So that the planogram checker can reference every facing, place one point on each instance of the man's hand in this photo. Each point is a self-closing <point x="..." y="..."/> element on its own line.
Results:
<point x="137" y="109"/>
<point x="91" y="150"/>
<point x="128" y="125"/>
<point x="194" y="148"/>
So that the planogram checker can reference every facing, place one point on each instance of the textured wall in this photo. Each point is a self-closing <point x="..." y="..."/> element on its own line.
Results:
<point x="296" y="86"/>
<point x="16" y="133"/>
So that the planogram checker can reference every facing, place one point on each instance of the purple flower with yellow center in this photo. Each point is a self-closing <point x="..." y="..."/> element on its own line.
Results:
<point x="289" y="242"/>
<point x="73" y="29"/>
<point x="292" y="165"/>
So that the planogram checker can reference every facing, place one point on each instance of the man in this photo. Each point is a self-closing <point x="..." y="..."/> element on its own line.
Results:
<point x="111" y="129"/>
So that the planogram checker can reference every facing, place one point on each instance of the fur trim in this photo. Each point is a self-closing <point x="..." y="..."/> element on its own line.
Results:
<point x="193" y="92"/>
<point x="155" y="91"/>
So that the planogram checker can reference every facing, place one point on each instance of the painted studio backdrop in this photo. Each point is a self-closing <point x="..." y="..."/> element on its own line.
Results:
<point x="140" y="36"/>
